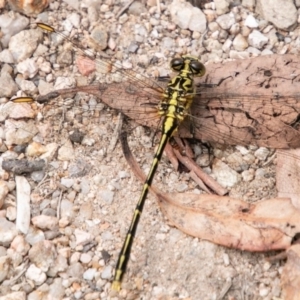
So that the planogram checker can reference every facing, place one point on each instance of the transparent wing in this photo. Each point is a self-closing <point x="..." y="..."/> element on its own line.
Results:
<point x="105" y="66"/>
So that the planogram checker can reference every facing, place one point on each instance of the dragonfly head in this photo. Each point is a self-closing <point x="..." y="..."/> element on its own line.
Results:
<point x="188" y="63"/>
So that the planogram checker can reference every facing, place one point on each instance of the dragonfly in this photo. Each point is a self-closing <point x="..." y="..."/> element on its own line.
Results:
<point x="176" y="105"/>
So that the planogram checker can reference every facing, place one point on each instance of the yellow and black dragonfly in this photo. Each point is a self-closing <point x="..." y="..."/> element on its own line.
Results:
<point x="223" y="114"/>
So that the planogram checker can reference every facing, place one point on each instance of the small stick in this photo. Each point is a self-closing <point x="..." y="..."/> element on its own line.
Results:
<point x="209" y="181"/>
<point x="124" y="8"/>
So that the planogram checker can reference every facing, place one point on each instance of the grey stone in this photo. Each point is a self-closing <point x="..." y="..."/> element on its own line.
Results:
<point x="282" y="13"/>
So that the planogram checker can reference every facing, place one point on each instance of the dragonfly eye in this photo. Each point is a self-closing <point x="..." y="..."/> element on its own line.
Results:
<point x="177" y="64"/>
<point x="197" y="68"/>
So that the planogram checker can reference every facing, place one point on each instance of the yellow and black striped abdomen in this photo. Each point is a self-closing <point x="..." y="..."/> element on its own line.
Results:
<point x="175" y="104"/>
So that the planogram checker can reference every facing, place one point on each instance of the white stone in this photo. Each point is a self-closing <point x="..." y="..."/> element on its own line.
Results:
<point x="267" y="52"/>
<point x="27" y="86"/>
<point x="240" y="43"/>
<point x="226" y="259"/>
<point x="29" y="40"/>
<point x="263" y="292"/>
<point x="106" y="195"/>
<point x="35" y="274"/>
<point x="50" y="151"/>
<point x="57" y="291"/>
<point x="19" y="132"/>
<point x="15" y="110"/>
<point x="226" y="21"/>
<point x="67" y="182"/>
<point x="224" y="174"/>
<point x="253" y="51"/>
<point x="20" y="245"/>
<point x="233" y="54"/>
<point x="257" y="39"/>
<point x="107" y="272"/>
<point x="14" y="296"/>
<point x="242" y="149"/>
<point x="45" y="222"/>
<point x="227" y="45"/>
<point x="6" y="57"/>
<point x="66" y="209"/>
<point x="89" y="274"/>
<point x="187" y="17"/>
<point x="28" y="67"/>
<point x="222" y="6"/>
<point x="42" y="254"/>
<point x="66" y="152"/>
<point x="59" y="265"/>
<point x="197" y="21"/>
<point x="10" y="25"/>
<point x="8" y="232"/>
<point x="260" y="173"/>
<point x="251" y="22"/>
<point x="11" y="213"/>
<point x="262" y="153"/>
<point x="82" y="237"/>
<point x="248" y="175"/>
<point x="35" y="149"/>
<point x="8" y="85"/>
<point x="73" y="3"/>
<point x="85" y="258"/>
<point x="4" y="267"/>
<point x="249" y="4"/>
<point x="75" y="257"/>
<point x="74" y="18"/>
<point x="64" y="222"/>
<point x="3" y="191"/>
<point x="64" y="83"/>
<point x="282" y="13"/>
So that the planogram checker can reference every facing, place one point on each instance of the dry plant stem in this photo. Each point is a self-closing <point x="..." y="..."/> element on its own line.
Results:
<point x="184" y="145"/>
<point x="171" y="156"/>
<point x="124" y="8"/>
<point x="201" y="178"/>
<point x="225" y="289"/>
<point x="201" y="184"/>
<point x="274" y="258"/>
<point x="209" y="181"/>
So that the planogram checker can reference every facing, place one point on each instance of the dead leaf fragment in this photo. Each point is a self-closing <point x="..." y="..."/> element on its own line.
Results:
<point x="290" y="279"/>
<point x="263" y="226"/>
<point x="287" y="175"/>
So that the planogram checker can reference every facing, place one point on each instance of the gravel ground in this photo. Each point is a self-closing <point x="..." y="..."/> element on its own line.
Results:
<point x="81" y="204"/>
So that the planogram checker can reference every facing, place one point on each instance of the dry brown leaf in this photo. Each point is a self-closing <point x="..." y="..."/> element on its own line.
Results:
<point x="287" y="175"/>
<point x="263" y="226"/>
<point x="290" y="278"/>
